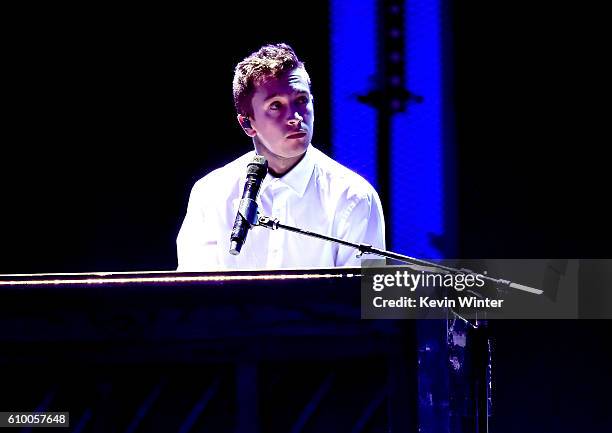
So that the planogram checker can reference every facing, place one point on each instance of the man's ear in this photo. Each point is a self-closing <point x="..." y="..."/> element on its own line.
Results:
<point x="245" y="123"/>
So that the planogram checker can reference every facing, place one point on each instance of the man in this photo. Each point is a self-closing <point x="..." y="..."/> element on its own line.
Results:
<point x="303" y="187"/>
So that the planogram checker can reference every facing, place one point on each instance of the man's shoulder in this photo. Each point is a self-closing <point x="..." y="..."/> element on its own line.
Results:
<point x="341" y="178"/>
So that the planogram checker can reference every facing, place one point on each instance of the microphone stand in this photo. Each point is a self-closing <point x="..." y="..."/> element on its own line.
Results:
<point x="480" y="337"/>
<point x="275" y="224"/>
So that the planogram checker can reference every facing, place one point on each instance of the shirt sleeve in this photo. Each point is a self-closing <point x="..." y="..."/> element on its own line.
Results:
<point x="196" y="243"/>
<point x="364" y="224"/>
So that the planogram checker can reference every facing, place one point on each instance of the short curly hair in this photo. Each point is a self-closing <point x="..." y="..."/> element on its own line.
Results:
<point x="269" y="61"/>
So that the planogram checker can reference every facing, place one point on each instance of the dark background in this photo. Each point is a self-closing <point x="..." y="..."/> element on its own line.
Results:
<point x="532" y="183"/>
<point x="112" y="114"/>
<point x="530" y="131"/>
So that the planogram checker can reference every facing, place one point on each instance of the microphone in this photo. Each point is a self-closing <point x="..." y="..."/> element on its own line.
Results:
<point x="247" y="211"/>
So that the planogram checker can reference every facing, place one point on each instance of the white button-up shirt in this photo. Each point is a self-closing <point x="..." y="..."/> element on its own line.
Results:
<point x="318" y="194"/>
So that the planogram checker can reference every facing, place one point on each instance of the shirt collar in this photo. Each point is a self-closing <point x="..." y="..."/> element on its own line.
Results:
<point x="297" y="179"/>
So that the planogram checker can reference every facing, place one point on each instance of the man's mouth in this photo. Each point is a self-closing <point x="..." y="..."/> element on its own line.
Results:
<point x="297" y="135"/>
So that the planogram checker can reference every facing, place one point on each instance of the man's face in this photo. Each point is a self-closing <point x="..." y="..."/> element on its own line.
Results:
<point x="283" y="114"/>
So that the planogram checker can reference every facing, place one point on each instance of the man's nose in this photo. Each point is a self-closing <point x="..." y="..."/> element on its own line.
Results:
<point x="296" y="119"/>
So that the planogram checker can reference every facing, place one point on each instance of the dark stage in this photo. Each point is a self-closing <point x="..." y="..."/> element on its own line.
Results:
<point x="113" y="112"/>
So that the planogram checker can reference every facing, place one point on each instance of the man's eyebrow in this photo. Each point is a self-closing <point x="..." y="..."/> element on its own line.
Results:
<point x="272" y="96"/>
<point x="295" y="92"/>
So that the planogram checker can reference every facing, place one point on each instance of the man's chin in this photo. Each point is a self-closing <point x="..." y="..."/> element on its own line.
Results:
<point x="297" y="148"/>
<point x="290" y="148"/>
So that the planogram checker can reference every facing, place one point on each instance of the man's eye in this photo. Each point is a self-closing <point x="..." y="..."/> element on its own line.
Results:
<point x="303" y="99"/>
<point x="275" y="106"/>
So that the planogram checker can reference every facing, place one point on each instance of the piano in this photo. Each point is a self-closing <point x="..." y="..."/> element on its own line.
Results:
<point x="256" y="351"/>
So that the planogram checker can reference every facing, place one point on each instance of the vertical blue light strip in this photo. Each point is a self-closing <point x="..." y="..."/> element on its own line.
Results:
<point x="417" y="210"/>
<point x="353" y="68"/>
